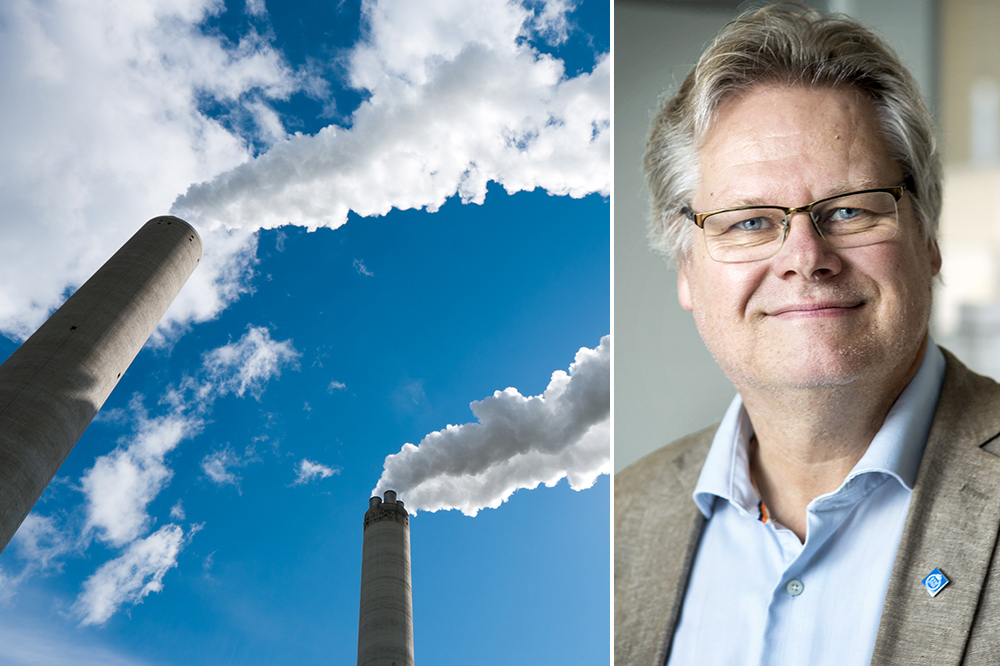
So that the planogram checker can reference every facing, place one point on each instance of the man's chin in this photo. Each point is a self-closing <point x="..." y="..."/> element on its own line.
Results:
<point x="814" y="368"/>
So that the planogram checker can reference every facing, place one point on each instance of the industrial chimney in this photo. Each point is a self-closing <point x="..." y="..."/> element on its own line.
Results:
<point x="53" y="384"/>
<point x="385" y="625"/>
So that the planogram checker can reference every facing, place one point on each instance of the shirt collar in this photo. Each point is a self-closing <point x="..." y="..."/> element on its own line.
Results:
<point x="896" y="449"/>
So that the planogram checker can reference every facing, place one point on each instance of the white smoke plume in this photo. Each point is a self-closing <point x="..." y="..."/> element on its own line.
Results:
<point x="103" y="123"/>
<point x="455" y="98"/>
<point x="101" y="128"/>
<point x="518" y="442"/>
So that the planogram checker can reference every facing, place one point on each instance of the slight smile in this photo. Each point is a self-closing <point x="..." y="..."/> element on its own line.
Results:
<point x="820" y="309"/>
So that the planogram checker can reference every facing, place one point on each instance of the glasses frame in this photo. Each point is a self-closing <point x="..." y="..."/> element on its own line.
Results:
<point x="699" y="218"/>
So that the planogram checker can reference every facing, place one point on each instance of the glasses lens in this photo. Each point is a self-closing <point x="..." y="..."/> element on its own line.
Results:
<point x="744" y="235"/>
<point x="854" y="220"/>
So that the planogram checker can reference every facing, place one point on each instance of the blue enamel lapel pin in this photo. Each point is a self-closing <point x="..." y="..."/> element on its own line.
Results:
<point x="934" y="582"/>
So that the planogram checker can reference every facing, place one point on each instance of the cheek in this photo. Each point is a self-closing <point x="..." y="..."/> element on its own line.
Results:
<point x="720" y="300"/>
<point x="717" y="293"/>
<point x="734" y="289"/>
<point x="904" y="278"/>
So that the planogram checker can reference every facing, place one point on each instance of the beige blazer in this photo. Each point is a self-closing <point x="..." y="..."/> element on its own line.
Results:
<point x="952" y="524"/>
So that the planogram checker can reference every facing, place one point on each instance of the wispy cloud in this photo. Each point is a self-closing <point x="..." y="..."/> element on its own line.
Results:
<point x="256" y="8"/>
<point x="40" y="543"/>
<point x="222" y="466"/>
<point x="120" y="486"/>
<point x="551" y="21"/>
<point x="360" y="267"/>
<point x="130" y="577"/>
<point x="248" y="363"/>
<point x="218" y="468"/>
<point x="336" y="386"/>
<point x="518" y="442"/>
<point x="308" y="471"/>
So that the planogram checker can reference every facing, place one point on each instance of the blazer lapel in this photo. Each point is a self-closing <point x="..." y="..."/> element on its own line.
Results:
<point x="952" y="525"/>
<point x="657" y="529"/>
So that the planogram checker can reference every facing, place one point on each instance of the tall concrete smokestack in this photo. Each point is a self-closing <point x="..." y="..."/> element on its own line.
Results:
<point x="53" y="384"/>
<point x="385" y="626"/>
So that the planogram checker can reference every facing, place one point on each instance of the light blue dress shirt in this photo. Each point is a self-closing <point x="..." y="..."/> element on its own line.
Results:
<point x="759" y="596"/>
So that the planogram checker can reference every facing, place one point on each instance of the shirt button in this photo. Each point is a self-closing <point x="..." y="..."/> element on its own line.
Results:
<point x="794" y="587"/>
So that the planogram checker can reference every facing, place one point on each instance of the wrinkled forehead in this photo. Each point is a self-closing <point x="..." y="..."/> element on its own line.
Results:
<point x="789" y="140"/>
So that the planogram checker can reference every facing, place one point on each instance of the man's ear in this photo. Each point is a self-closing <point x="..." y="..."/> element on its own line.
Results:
<point x="935" y="258"/>
<point x="683" y="288"/>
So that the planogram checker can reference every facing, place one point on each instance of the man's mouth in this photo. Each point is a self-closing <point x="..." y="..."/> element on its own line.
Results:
<point x="817" y="308"/>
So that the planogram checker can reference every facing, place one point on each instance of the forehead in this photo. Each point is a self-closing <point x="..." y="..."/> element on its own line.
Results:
<point x="792" y="141"/>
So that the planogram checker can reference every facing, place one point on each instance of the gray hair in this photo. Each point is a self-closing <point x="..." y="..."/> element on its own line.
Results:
<point x="786" y="44"/>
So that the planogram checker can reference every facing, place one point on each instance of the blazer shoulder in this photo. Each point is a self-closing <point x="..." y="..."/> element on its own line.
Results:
<point x="959" y="379"/>
<point x="675" y="457"/>
<point x="664" y="474"/>
<point x="969" y="407"/>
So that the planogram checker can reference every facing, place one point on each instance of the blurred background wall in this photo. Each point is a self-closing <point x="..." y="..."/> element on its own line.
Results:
<point x="665" y="383"/>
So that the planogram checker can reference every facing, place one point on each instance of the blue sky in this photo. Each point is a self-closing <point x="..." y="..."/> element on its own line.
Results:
<point x="406" y="227"/>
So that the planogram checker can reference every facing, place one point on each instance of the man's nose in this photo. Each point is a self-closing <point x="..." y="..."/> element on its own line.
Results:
<point x="805" y="252"/>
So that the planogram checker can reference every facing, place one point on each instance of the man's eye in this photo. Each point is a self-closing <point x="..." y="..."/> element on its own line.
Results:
<point x="843" y="214"/>
<point x="752" y="224"/>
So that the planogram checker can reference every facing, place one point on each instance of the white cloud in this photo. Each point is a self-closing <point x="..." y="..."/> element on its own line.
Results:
<point x="220" y="466"/>
<point x="360" y="267"/>
<point x="551" y="21"/>
<point x="308" y="471"/>
<point x="249" y="363"/>
<point x="336" y="386"/>
<point x="8" y="585"/>
<point x="129" y="578"/>
<point x="121" y="484"/>
<point x="40" y="541"/>
<point x="100" y="128"/>
<point x="455" y="99"/>
<point x="518" y="442"/>
<point x="217" y="467"/>
<point x="256" y="8"/>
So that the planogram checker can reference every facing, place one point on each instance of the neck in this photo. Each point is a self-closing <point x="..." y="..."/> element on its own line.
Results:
<point x="808" y="440"/>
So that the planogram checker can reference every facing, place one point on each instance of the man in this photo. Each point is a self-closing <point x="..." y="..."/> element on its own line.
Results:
<point x="846" y="509"/>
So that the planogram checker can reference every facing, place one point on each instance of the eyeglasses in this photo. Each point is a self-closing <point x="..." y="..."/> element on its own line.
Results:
<point x="752" y="233"/>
